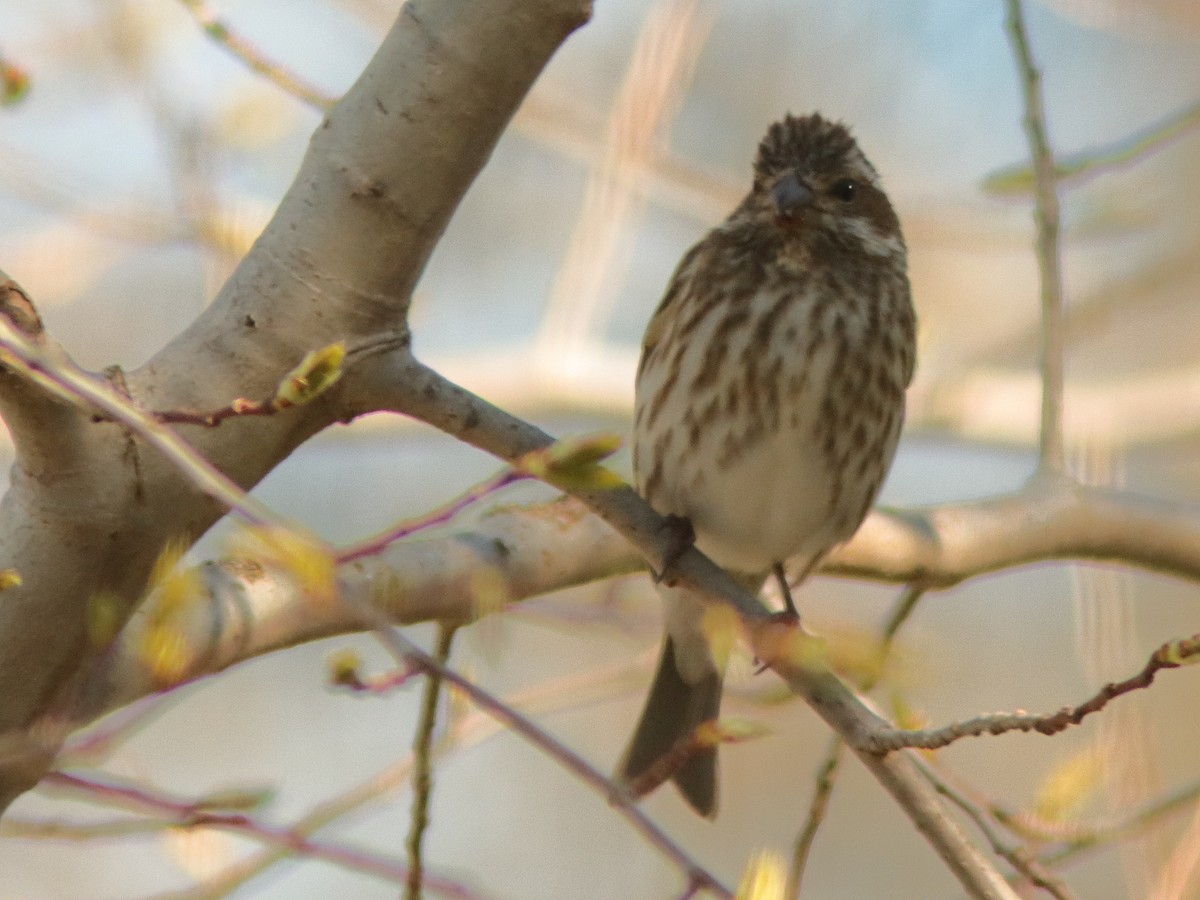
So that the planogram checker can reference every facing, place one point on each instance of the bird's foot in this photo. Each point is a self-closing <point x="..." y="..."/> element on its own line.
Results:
<point x="788" y="616"/>
<point x="783" y="617"/>
<point x="786" y="590"/>
<point x="680" y="536"/>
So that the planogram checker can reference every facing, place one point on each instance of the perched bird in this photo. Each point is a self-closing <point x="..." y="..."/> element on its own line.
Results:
<point x="770" y="396"/>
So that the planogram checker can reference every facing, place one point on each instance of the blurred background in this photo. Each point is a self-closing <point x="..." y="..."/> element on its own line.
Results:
<point x="140" y="159"/>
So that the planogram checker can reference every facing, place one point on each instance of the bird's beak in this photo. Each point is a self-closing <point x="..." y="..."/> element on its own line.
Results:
<point x="790" y="195"/>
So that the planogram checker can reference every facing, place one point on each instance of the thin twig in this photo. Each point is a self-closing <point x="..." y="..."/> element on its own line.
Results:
<point x="1046" y="216"/>
<point x="406" y="650"/>
<point x="345" y="674"/>
<point x="194" y="815"/>
<point x="439" y="516"/>
<point x="1170" y="655"/>
<point x="1017" y="857"/>
<point x="1086" y="164"/>
<point x="67" y="378"/>
<point x="240" y="48"/>
<point x="568" y="692"/>
<point x="826" y="779"/>
<point x="238" y="409"/>
<point x="1082" y="838"/>
<point x="96" y="743"/>
<point x="422" y="777"/>
<point x="904" y="608"/>
<point x="828" y="770"/>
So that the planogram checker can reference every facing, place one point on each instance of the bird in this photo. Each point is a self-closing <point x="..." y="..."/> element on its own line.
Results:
<point x="769" y="400"/>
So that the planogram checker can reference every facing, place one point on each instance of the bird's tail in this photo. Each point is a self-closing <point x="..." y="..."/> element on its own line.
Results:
<point x="673" y="710"/>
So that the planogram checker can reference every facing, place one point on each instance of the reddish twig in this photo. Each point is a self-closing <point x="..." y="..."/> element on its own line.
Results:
<point x="211" y="419"/>
<point x="97" y="742"/>
<point x="1170" y="655"/>
<point x="697" y="875"/>
<point x="345" y="674"/>
<point x="183" y="814"/>
<point x="318" y="371"/>
<point x="439" y="516"/>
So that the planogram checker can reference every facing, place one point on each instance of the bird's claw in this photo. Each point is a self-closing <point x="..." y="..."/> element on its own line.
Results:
<point x="784" y="617"/>
<point x="786" y="591"/>
<point x="680" y="537"/>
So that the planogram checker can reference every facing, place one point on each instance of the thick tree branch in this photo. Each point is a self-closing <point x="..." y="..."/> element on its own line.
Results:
<point x="338" y="261"/>
<point x="245" y="611"/>
<point x="1054" y="517"/>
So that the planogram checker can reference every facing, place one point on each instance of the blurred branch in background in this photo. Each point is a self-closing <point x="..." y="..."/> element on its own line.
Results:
<point x="1073" y="168"/>
<point x="466" y="730"/>
<point x="287" y="80"/>
<point x="1121" y="751"/>
<point x="1049" y="254"/>
<point x="228" y="813"/>
<point x="422" y="773"/>
<point x="697" y="877"/>
<point x="1023" y="862"/>
<point x="592" y="271"/>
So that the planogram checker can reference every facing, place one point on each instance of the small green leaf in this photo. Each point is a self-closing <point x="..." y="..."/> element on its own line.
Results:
<point x="316" y="373"/>
<point x="572" y="463"/>
<point x="1181" y="652"/>
<point x="588" y="448"/>
<point x="9" y="578"/>
<point x="14" y="84"/>
<point x="344" y="668"/>
<point x="587" y="478"/>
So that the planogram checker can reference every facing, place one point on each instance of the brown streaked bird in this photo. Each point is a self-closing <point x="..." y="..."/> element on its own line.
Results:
<point x="770" y="396"/>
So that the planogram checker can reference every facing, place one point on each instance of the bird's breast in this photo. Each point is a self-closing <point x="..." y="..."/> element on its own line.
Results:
<point x="768" y="423"/>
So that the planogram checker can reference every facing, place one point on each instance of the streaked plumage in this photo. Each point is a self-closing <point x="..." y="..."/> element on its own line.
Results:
<point x="770" y="396"/>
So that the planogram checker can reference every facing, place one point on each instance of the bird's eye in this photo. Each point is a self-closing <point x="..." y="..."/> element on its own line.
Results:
<point x="845" y="189"/>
